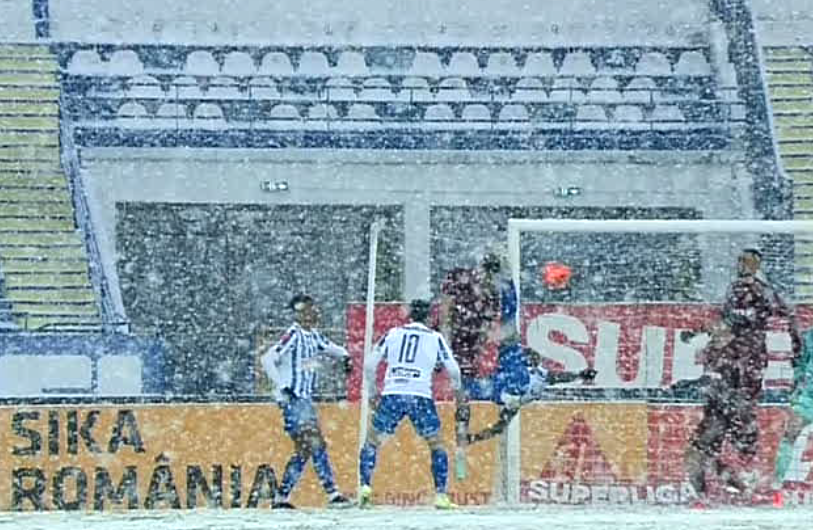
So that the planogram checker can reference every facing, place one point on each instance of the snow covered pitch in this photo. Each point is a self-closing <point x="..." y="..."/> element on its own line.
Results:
<point x="517" y="518"/>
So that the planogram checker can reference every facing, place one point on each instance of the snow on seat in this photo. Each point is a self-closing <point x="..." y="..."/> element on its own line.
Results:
<point x="378" y="89"/>
<point x="145" y="86"/>
<point x="224" y="88"/>
<point x="239" y="64"/>
<point x="209" y="116"/>
<point x="640" y="90"/>
<point x="667" y="116"/>
<point x="653" y="63"/>
<point x="628" y="116"/>
<point x="133" y="115"/>
<point x="530" y="89"/>
<point x="604" y="90"/>
<point x="416" y="89"/>
<point x="352" y="64"/>
<point x="502" y="64"/>
<point x="427" y="64"/>
<point x="86" y="62"/>
<point x="477" y="113"/>
<point x="185" y="87"/>
<point x="591" y="116"/>
<point x="578" y="63"/>
<point x="201" y="63"/>
<point x="340" y="89"/>
<point x="540" y="64"/>
<point x="263" y="88"/>
<point x="453" y="89"/>
<point x="276" y="64"/>
<point x="440" y="115"/>
<point x="313" y="64"/>
<point x="125" y="63"/>
<point x="693" y="64"/>
<point x="514" y="112"/>
<point x="464" y="64"/>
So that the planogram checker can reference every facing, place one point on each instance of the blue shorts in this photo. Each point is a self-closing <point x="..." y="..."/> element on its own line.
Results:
<point x="299" y="414"/>
<point x="512" y="377"/>
<point x="420" y="410"/>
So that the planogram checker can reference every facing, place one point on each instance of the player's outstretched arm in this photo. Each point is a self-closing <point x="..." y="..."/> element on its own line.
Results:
<point x="560" y="378"/>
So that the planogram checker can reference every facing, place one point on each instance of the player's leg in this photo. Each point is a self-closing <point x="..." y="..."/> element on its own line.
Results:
<point x="704" y="447"/>
<point x="424" y="417"/>
<point x="801" y="415"/>
<point x="295" y="421"/>
<point x="744" y="435"/>
<point x="387" y="416"/>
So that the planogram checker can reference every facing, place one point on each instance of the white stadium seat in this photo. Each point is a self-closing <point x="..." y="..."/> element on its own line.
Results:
<point x="514" y="112"/>
<point x="209" y="116"/>
<point x="224" y="88"/>
<point x="322" y="111"/>
<point x="591" y="114"/>
<point x="540" y="64"/>
<point x="666" y="116"/>
<point x="476" y="112"/>
<point x="653" y="63"/>
<point x="439" y="113"/>
<point x="340" y="89"/>
<point x="577" y="63"/>
<point x="530" y="89"/>
<point x="427" y="64"/>
<point x="352" y="64"/>
<point x="640" y="90"/>
<point x="285" y="112"/>
<point x="145" y="86"/>
<point x="313" y="64"/>
<point x="502" y="64"/>
<point x="464" y="64"/>
<point x="133" y="116"/>
<point x="125" y="63"/>
<point x="628" y="115"/>
<point x="239" y="64"/>
<point x="276" y="64"/>
<point x="416" y="89"/>
<point x="263" y="88"/>
<point x="201" y="63"/>
<point x="185" y="87"/>
<point x="692" y="63"/>
<point x="604" y="90"/>
<point x="453" y="89"/>
<point x="86" y="62"/>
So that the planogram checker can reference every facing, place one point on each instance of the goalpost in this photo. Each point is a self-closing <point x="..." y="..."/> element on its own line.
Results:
<point x="707" y="248"/>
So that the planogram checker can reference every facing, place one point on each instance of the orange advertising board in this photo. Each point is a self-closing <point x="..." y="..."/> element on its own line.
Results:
<point x="176" y="456"/>
<point x="569" y="448"/>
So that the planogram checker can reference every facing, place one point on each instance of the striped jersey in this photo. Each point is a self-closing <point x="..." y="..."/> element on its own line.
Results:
<point x="412" y="352"/>
<point x="292" y="362"/>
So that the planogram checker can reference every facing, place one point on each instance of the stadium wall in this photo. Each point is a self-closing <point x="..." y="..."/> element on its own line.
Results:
<point x="785" y="23"/>
<point x="426" y="22"/>
<point x="715" y="185"/>
<point x="16" y="21"/>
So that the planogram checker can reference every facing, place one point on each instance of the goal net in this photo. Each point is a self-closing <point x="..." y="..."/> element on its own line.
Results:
<point x="634" y="285"/>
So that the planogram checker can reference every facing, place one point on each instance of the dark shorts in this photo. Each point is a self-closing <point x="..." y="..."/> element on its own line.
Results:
<point x="298" y="415"/>
<point x="395" y="407"/>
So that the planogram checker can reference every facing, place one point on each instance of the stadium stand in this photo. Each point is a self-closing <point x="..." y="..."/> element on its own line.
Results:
<point x="45" y="266"/>
<point x="790" y="83"/>
<point x="668" y="91"/>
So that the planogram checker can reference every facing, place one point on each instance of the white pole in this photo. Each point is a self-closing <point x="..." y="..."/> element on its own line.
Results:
<point x="369" y="316"/>
<point x="510" y="443"/>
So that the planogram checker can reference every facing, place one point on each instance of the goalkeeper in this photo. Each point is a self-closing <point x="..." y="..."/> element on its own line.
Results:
<point x="519" y="378"/>
<point x="801" y="407"/>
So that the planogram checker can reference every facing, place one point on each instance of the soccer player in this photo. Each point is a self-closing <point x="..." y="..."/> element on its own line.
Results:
<point x="735" y="359"/>
<point x="801" y="408"/>
<point x="412" y="353"/>
<point x="520" y="381"/>
<point x="291" y="366"/>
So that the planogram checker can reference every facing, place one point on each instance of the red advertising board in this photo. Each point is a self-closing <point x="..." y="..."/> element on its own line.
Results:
<point x="631" y="345"/>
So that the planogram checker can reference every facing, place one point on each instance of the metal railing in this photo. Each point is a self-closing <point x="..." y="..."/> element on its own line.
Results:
<point x="111" y="319"/>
